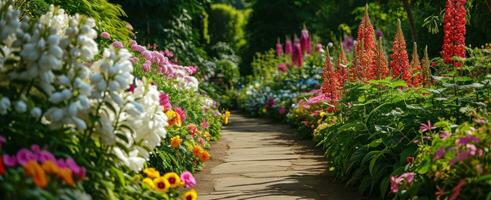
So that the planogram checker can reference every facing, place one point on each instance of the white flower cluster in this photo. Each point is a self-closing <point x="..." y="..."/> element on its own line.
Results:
<point x="50" y="62"/>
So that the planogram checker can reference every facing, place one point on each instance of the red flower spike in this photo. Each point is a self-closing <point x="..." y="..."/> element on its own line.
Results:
<point x="416" y="68"/>
<point x="330" y="82"/>
<point x="399" y="59"/>
<point x="366" y="36"/>
<point x="454" y="32"/>
<point x="381" y="61"/>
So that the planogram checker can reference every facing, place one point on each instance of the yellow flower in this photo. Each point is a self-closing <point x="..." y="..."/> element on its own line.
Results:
<point x="174" y="118"/>
<point x="173" y="179"/>
<point x="190" y="195"/>
<point x="175" y="142"/>
<point x="149" y="182"/>
<point x="151" y="172"/>
<point x="161" y="184"/>
<point x="207" y="136"/>
<point x="170" y="114"/>
<point x="322" y="114"/>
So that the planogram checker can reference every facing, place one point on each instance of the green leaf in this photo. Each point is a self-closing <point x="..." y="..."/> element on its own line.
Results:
<point x="375" y="143"/>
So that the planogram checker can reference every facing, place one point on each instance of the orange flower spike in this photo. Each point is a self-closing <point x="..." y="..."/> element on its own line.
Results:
<point x="381" y="61"/>
<point x="50" y="167"/>
<point x="399" y="58"/>
<point x="66" y="175"/>
<point x="34" y="170"/>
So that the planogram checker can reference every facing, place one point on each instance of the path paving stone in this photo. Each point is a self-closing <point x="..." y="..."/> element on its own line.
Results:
<point x="257" y="159"/>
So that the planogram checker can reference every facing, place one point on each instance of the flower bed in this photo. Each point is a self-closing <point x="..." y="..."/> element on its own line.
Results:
<point x="402" y="127"/>
<point x="102" y="121"/>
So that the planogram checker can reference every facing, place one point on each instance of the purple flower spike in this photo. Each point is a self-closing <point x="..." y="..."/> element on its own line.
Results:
<point x="305" y="42"/>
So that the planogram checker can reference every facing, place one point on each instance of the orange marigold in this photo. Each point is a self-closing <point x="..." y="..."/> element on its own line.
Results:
<point x="34" y="170"/>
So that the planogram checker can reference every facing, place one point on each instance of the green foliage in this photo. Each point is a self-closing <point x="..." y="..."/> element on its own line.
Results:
<point x="227" y="25"/>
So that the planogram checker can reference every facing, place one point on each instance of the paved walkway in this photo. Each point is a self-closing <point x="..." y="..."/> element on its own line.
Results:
<point x="256" y="159"/>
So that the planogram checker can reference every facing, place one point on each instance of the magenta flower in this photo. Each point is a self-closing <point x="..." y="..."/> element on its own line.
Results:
<point x="288" y="46"/>
<point x="45" y="156"/>
<point x="134" y="60"/>
<point x="467" y="139"/>
<point x="305" y="42"/>
<point x="168" y="54"/>
<point x="426" y="127"/>
<point x="461" y="156"/>
<point x="24" y="155"/>
<point x="165" y="101"/>
<point x="118" y="45"/>
<point x="348" y="43"/>
<point x="205" y="124"/>
<point x="192" y="70"/>
<point x="279" y="48"/>
<point x="77" y="170"/>
<point x="9" y="161"/>
<point x="105" y="35"/>
<point x="61" y="163"/>
<point x="439" y="154"/>
<point x="297" y="58"/>
<point x="282" y="110"/>
<point x="188" y="179"/>
<point x="148" y="55"/>
<point x="282" y="67"/>
<point x="35" y="148"/>
<point x="147" y="66"/>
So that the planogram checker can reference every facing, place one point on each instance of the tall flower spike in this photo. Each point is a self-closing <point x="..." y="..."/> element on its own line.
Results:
<point x="279" y="48"/>
<point x="297" y="58"/>
<point x="342" y="65"/>
<point x="366" y="36"/>
<point x="305" y="41"/>
<point x="399" y="59"/>
<point x="416" y="69"/>
<point x="288" y="46"/>
<point x="454" y="32"/>
<point x="352" y="73"/>
<point x="426" y="68"/>
<point x="381" y="61"/>
<point x="330" y="82"/>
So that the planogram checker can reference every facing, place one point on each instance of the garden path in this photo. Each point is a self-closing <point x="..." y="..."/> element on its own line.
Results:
<point x="258" y="159"/>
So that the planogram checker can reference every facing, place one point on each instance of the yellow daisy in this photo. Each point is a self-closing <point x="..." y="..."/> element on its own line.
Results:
<point x="190" y="195"/>
<point x="161" y="184"/>
<point x="173" y="179"/>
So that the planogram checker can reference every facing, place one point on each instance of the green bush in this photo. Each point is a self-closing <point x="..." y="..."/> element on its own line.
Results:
<point x="226" y="24"/>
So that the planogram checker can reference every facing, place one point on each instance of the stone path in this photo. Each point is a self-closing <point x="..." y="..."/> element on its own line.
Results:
<point x="256" y="159"/>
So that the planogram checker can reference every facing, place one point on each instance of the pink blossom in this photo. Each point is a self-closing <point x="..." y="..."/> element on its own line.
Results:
<point x="61" y="163"/>
<point x="118" y="45"/>
<point x="394" y="184"/>
<point x="147" y="66"/>
<point x="181" y="113"/>
<point x="426" y="127"/>
<point x="318" y="47"/>
<point x="138" y="48"/>
<point x="408" y="176"/>
<point x="148" y="55"/>
<point x="444" y="135"/>
<point x="205" y="124"/>
<point x="77" y="170"/>
<point x="201" y="140"/>
<point x="188" y="179"/>
<point x="165" y="101"/>
<point x="467" y="139"/>
<point x="439" y="154"/>
<point x="192" y="69"/>
<point x="168" y="54"/>
<point x="24" y="155"/>
<point x="282" y="67"/>
<point x="134" y="60"/>
<point x="282" y="110"/>
<point x="106" y="35"/>
<point x="44" y="156"/>
<point x="9" y="161"/>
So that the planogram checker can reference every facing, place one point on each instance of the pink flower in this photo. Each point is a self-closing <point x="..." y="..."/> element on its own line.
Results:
<point x="201" y="140"/>
<point x="318" y="47"/>
<point x="282" y="67"/>
<point x="165" y="101"/>
<point x="168" y="54"/>
<point x="35" y="148"/>
<point x="45" y="155"/>
<point x="148" y="55"/>
<point x="444" y="135"/>
<point x="181" y="113"/>
<point x="147" y="66"/>
<point x="282" y="110"/>
<point x="9" y="161"/>
<point x="426" y="127"/>
<point x="205" y="124"/>
<point x="118" y="45"/>
<point x="77" y="170"/>
<point x="61" y="163"/>
<point x="439" y="154"/>
<point x="188" y="179"/>
<point x="24" y="155"/>
<point x="138" y="48"/>
<point x="394" y="184"/>
<point x="192" y="70"/>
<point x="467" y="139"/>
<point x="106" y="35"/>
<point x="134" y="59"/>
<point x="408" y="176"/>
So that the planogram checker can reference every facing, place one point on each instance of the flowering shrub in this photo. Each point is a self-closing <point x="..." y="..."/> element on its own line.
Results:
<point x="109" y="109"/>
